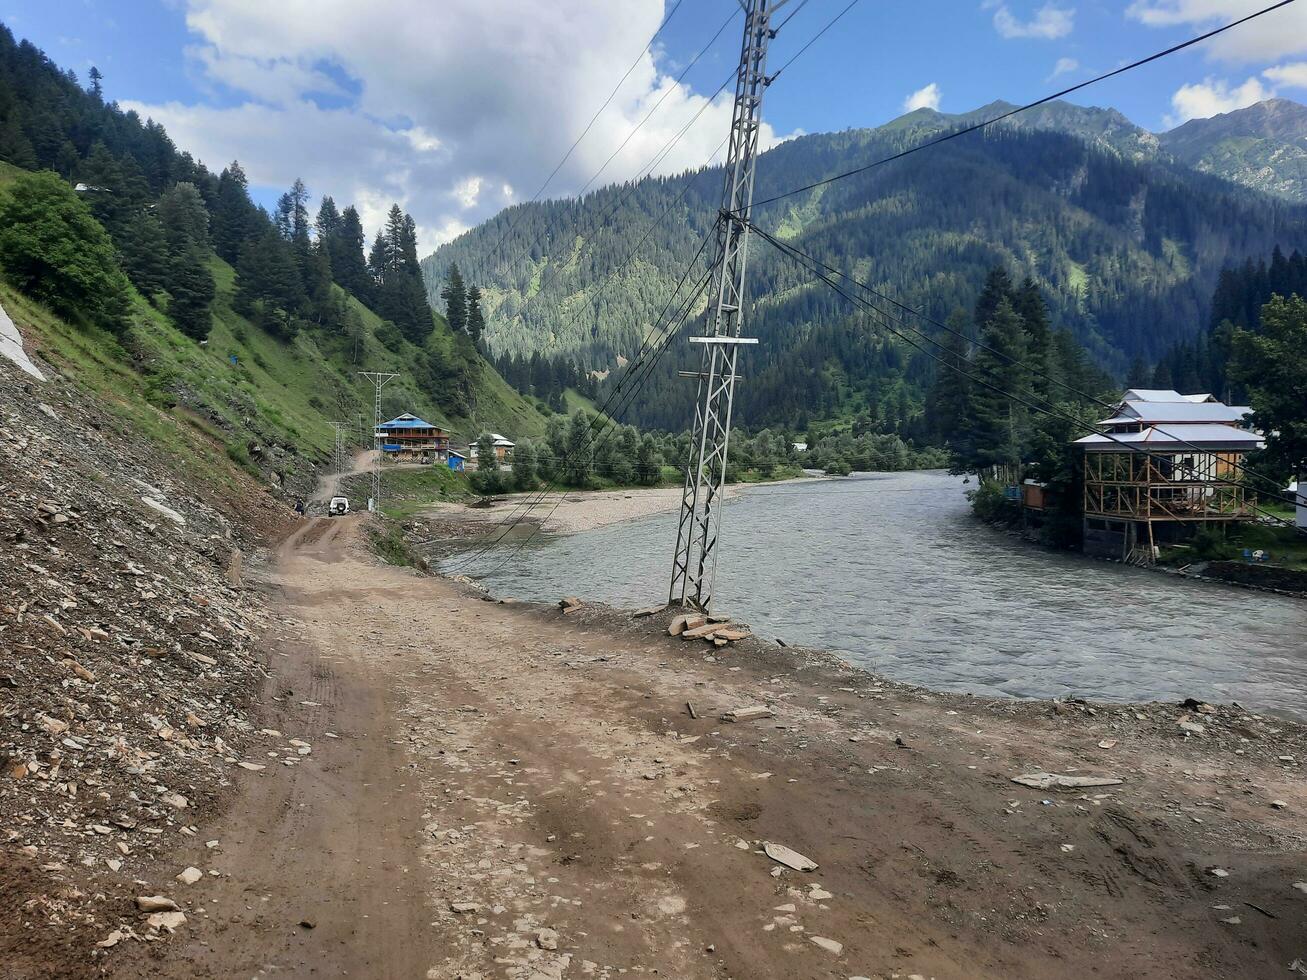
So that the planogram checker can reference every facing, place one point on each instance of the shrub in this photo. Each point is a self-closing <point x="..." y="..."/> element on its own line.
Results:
<point x="989" y="502"/>
<point x="53" y="249"/>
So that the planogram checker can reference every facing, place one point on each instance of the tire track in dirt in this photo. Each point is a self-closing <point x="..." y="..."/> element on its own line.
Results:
<point x="518" y="795"/>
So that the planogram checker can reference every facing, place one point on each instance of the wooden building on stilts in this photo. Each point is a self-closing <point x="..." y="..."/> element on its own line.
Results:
<point x="1170" y="464"/>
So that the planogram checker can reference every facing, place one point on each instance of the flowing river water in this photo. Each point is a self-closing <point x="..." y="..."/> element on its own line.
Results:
<point x="891" y="571"/>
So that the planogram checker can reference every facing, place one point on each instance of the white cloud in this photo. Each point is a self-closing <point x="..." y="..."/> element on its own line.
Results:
<point x="923" y="98"/>
<point x="1292" y="75"/>
<point x="468" y="191"/>
<point x="370" y="114"/>
<point x="1213" y="96"/>
<point x="1049" y="22"/>
<point x="1064" y="66"/>
<point x="1275" y="35"/>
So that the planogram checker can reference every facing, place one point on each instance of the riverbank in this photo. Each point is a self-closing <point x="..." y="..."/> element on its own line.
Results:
<point x="499" y="789"/>
<point x="572" y="511"/>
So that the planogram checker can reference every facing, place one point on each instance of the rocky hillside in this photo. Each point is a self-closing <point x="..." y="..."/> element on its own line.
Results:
<point x="128" y="659"/>
<point x="1263" y="146"/>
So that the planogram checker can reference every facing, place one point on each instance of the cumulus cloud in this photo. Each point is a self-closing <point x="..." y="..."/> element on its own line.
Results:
<point x="445" y="108"/>
<point x="1064" y="66"/>
<point x="923" y="98"/>
<point x="1271" y="37"/>
<point x="1049" y="22"/>
<point x="1213" y="96"/>
<point x="1291" y="75"/>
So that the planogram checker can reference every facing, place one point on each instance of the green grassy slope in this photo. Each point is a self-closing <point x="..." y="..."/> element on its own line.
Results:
<point x="250" y="397"/>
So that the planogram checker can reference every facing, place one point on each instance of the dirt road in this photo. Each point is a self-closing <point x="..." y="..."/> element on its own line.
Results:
<point x="487" y="790"/>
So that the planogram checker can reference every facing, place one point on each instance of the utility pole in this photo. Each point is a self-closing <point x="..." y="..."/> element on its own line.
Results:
<point x="694" y="566"/>
<point x="378" y="379"/>
<point x="338" y="451"/>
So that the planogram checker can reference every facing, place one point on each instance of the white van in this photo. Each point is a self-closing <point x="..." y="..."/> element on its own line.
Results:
<point x="338" y="507"/>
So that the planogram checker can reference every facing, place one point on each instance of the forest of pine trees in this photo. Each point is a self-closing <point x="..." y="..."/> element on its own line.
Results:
<point x="547" y="379"/>
<point x="1203" y="364"/>
<point x="166" y="216"/>
<point x="1000" y="361"/>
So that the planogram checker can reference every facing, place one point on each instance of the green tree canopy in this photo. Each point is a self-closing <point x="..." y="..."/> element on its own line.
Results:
<point x="1272" y="367"/>
<point x="53" y="249"/>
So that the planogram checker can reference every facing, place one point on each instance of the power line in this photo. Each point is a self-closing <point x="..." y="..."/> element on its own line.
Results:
<point x="954" y="134"/>
<point x="1012" y="360"/>
<point x="886" y="320"/>
<point x="661" y="99"/>
<point x="648" y="168"/>
<point x="630" y="190"/>
<point x="593" y="119"/>
<point x="607" y="422"/>
<point x="811" y="41"/>
<point x="666" y="150"/>
<point x="604" y="414"/>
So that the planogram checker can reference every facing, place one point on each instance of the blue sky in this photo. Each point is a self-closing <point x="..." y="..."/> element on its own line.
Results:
<point x="458" y="108"/>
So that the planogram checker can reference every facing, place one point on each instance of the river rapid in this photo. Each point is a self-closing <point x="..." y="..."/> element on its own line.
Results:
<point x="892" y="572"/>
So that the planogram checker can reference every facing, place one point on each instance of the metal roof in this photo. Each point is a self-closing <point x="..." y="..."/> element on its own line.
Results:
<point x="1152" y="395"/>
<point x="1184" y="411"/>
<point x="407" y="421"/>
<point x="1163" y="395"/>
<point x="1202" y="436"/>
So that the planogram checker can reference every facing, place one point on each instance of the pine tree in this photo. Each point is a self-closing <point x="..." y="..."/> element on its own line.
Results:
<point x="455" y="296"/>
<point x="144" y="251"/>
<point x="184" y="218"/>
<point x="578" y="460"/>
<point x="269" y="288"/>
<point x="378" y="261"/>
<point x="999" y="423"/>
<point x="327" y="224"/>
<point x="949" y="402"/>
<point x="1032" y="309"/>
<point x="97" y="89"/>
<point x="476" y="324"/>
<point x="235" y="220"/>
<point x="1138" y="376"/>
<point x="192" y="291"/>
<point x="348" y="267"/>
<point x="998" y="287"/>
<point x="1272" y="367"/>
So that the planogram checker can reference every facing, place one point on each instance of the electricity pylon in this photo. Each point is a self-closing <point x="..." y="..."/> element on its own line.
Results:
<point x="338" y="450"/>
<point x="379" y="379"/>
<point x="694" y="566"/>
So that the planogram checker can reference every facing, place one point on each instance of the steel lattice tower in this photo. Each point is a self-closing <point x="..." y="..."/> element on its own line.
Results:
<point x="695" y="564"/>
<point x="379" y="379"/>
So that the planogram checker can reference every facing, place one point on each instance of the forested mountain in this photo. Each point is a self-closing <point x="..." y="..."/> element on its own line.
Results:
<point x="1263" y="146"/>
<point x="1203" y="363"/>
<point x="1125" y="247"/>
<point x="118" y="232"/>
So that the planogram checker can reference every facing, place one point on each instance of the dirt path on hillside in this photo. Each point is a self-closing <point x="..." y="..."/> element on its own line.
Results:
<point x="329" y="482"/>
<point x="496" y="790"/>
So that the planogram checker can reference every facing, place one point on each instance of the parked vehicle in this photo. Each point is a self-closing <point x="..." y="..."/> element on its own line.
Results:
<point x="338" y="507"/>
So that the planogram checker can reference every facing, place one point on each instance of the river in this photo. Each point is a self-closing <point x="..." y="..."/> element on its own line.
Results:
<point x="891" y="571"/>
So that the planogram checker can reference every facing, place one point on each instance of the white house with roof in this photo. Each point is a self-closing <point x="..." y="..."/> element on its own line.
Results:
<point x="503" y="450"/>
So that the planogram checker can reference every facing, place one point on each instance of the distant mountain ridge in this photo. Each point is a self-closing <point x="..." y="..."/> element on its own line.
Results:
<point x="1263" y="146"/>
<point x="1125" y="242"/>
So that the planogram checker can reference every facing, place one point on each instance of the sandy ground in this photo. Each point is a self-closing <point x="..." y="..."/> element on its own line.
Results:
<point x="578" y="511"/>
<point x="498" y="790"/>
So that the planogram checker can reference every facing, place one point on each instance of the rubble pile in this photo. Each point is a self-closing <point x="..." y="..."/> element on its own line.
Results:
<point x="128" y="658"/>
